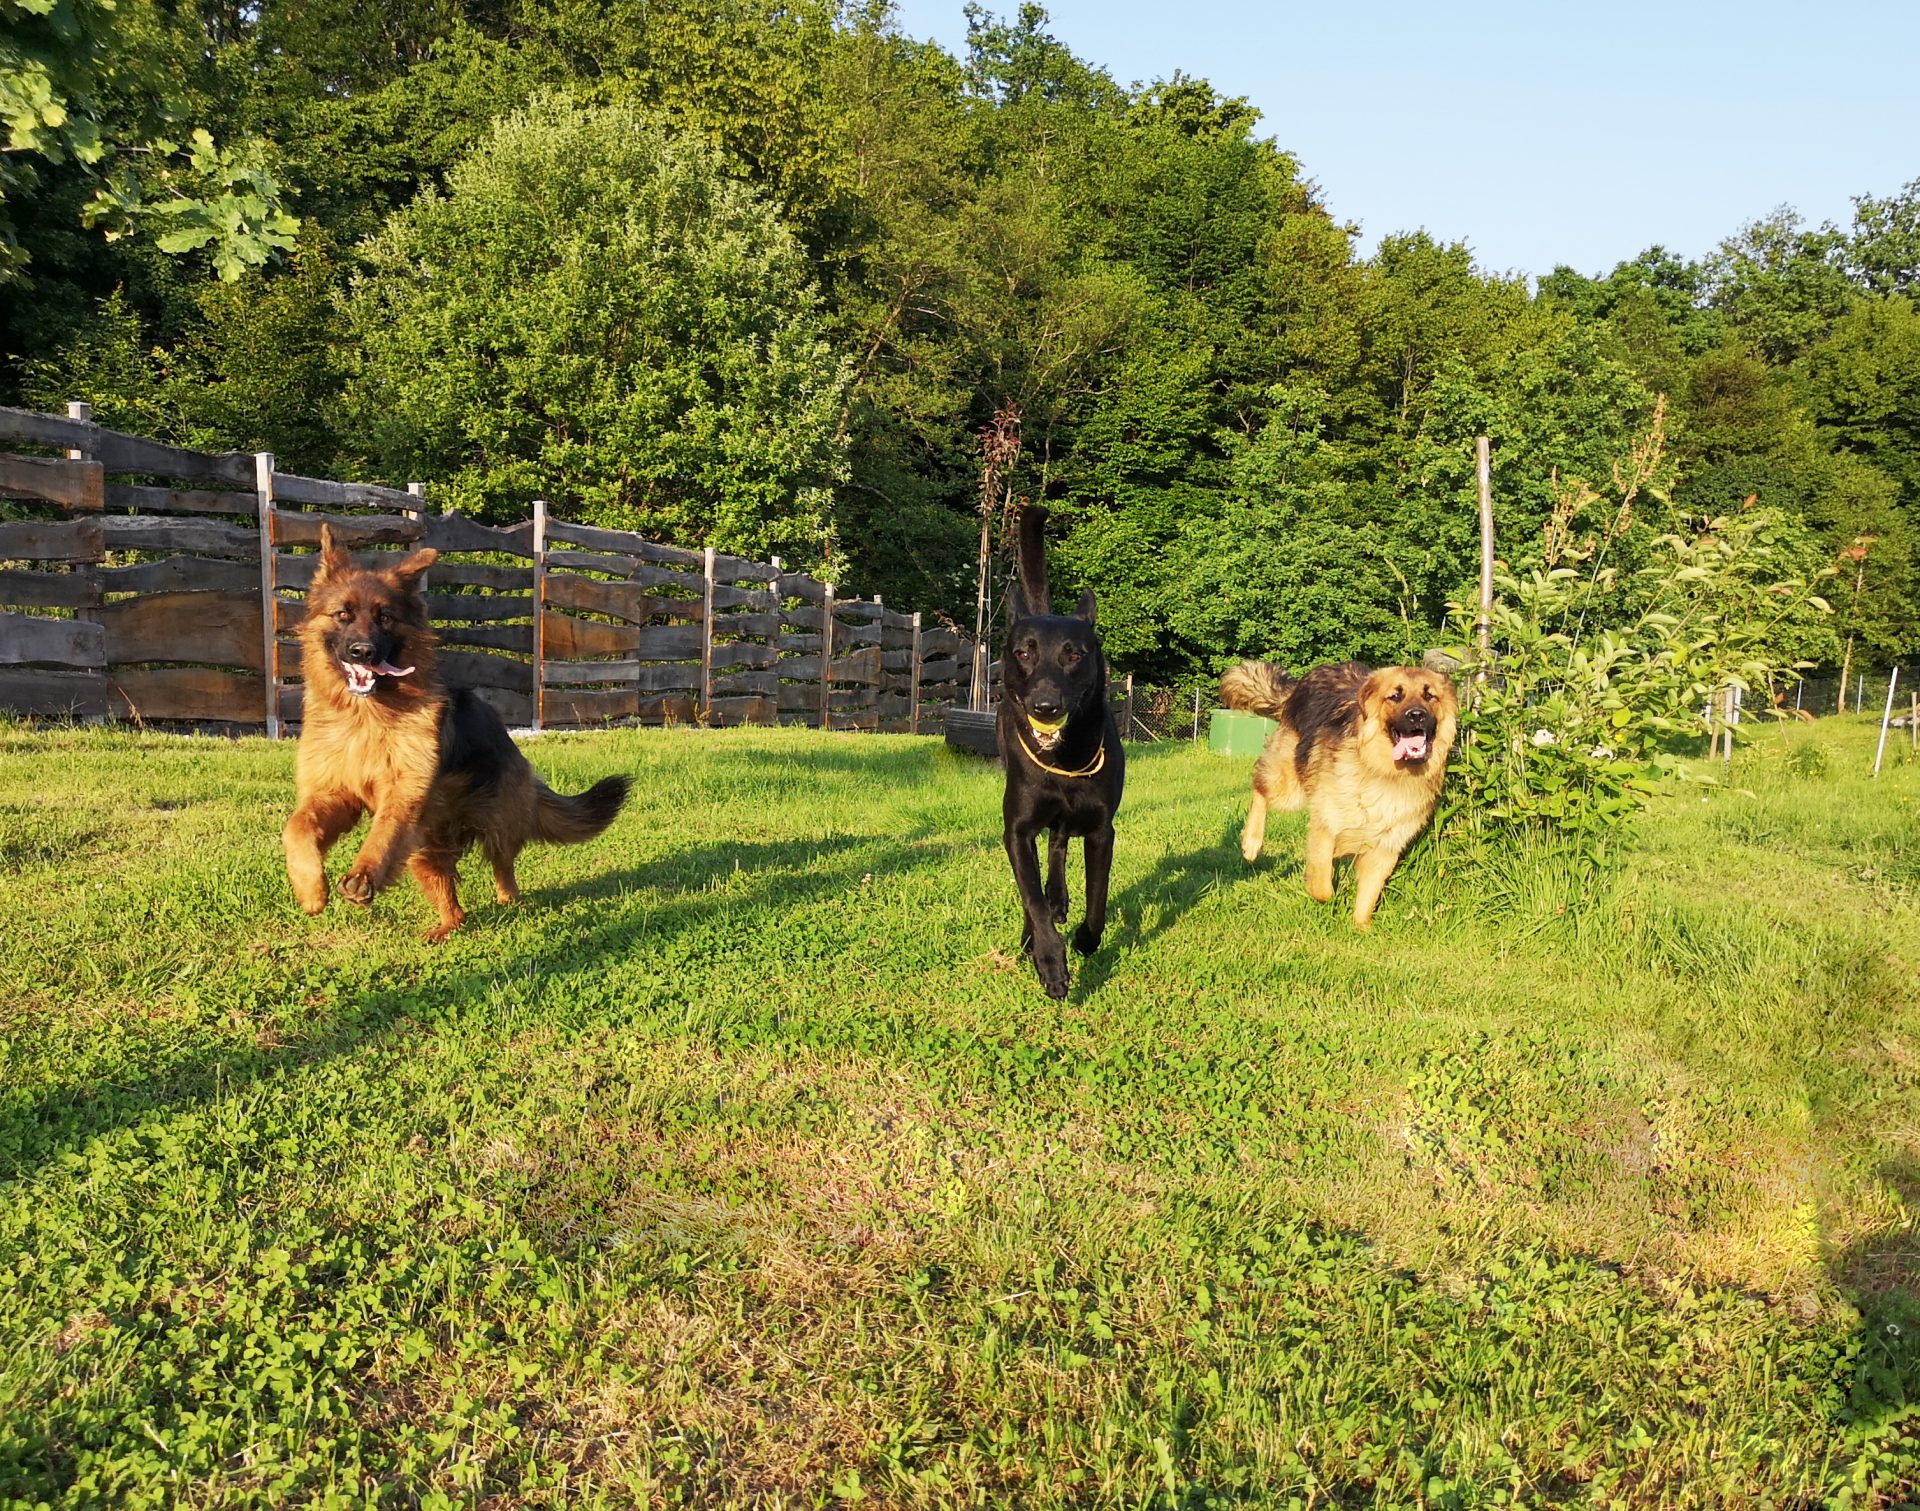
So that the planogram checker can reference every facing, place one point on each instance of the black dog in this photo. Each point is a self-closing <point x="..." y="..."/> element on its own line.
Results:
<point x="1065" y="767"/>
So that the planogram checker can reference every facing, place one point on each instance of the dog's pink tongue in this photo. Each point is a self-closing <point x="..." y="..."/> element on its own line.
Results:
<point x="388" y="669"/>
<point x="1410" y="748"/>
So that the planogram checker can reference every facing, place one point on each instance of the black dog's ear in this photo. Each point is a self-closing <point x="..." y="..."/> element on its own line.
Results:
<point x="1085" y="610"/>
<point x="1033" y="560"/>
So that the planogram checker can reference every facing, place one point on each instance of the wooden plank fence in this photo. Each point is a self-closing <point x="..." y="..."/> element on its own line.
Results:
<point x="142" y="581"/>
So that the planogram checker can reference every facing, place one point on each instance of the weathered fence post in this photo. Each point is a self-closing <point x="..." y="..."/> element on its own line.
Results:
<point x="826" y="661"/>
<point x="81" y="410"/>
<point x="913" y="685"/>
<point x="269" y="630"/>
<point x="1126" y="721"/>
<point x="706" y="640"/>
<point x="539" y="613"/>
<point x="779" y="608"/>
<point x="1913" y="723"/>
<point x="418" y="516"/>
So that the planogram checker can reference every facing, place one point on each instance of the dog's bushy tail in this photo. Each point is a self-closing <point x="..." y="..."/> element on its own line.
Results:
<point x="1033" y="560"/>
<point x="568" y="820"/>
<point x="1256" y="687"/>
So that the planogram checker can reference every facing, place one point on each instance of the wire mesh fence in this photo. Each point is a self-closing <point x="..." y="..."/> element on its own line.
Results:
<point x="1175" y="712"/>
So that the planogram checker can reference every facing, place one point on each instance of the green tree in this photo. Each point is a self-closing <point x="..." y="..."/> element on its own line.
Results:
<point x="1862" y="386"/>
<point x="1883" y="254"/>
<point x="597" y="312"/>
<point x="1782" y="286"/>
<point x="104" y="92"/>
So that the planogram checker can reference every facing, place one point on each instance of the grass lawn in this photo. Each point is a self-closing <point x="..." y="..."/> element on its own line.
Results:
<point x="745" y="1164"/>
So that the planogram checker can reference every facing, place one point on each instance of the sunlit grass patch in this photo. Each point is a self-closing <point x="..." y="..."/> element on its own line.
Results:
<point x="744" y="1162"/>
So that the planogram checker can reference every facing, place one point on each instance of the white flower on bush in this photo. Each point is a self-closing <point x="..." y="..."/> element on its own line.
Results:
<point x="1545" y="737"/>
<point x="1601" y="753"/>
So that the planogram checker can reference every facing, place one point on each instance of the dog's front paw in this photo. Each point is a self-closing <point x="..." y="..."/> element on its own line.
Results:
<point x="1086" y="940"/>
<point x="357" y="887"/>
<point x="1050" y="963"/>
<point x="312" y="900"/>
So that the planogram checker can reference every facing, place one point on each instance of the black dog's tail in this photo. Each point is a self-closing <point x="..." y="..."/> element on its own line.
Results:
<point x="569" y="820"/>
<point x="1033" y="560"/>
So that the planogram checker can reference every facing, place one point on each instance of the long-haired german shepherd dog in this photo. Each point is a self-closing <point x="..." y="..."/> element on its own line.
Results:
<point x="1061" y="748"/>
<point x="380" y="734"/>
<point x="1364" y="752"/>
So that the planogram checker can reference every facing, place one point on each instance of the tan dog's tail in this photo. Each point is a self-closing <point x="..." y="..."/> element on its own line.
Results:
<point x="569" y="820"/>
<point x="1257" y="687"/>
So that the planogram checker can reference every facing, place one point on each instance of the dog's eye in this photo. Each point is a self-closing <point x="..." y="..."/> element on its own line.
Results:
<point x="1025" y="653"/>
<point x="1396" y="695"/>
<point x="383" y="619"/>
<point x="343" y="615"/>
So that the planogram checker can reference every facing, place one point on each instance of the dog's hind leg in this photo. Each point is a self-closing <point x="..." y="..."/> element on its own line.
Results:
<point x="1057" y="900"/>
<point x="1253" y="837"/>
<point x="307" y="837"/>
<point x="1099" y="850"/>
<point x="501" y="855"/>
<point x="434" y="870"/>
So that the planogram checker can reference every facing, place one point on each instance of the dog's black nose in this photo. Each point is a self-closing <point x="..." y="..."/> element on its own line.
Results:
<point x="361" y="650"/>
<point x="1419" y="720"/>
<point x="1046" y="708"/>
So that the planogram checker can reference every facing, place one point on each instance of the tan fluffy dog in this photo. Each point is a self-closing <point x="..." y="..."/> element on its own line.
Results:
<point x="1365" y="753"/>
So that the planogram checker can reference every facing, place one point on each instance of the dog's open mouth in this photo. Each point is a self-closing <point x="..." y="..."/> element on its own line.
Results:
<point x="361" y="678"/>
<point x="1409" y="748"/>
<point x="1046" y="732"/>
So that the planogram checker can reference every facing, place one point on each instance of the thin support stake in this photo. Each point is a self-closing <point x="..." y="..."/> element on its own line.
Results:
<point x="1483" y="475"/>
<point x="1886" y="717"/>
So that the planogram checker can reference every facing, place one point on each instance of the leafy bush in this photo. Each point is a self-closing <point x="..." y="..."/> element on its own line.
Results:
<point x="598" y="312"/>
<point x="1595" y="678"/>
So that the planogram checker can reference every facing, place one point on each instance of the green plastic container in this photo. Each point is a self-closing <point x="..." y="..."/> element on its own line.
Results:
<point x="1238" y="734"/>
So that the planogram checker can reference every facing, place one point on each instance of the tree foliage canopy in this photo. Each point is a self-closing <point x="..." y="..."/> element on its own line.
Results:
<point x="595" y="309"/>
<point x="759" y="273"/>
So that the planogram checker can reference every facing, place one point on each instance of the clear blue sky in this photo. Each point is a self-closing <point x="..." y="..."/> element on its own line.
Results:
<point x="1543" y="133"/>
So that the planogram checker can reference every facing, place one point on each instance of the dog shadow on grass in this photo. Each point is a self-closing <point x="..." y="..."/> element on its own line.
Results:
<point x="1177" y="883"/>
<point x="1880" y="1275"/>
<point x="37" y="1129"/>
